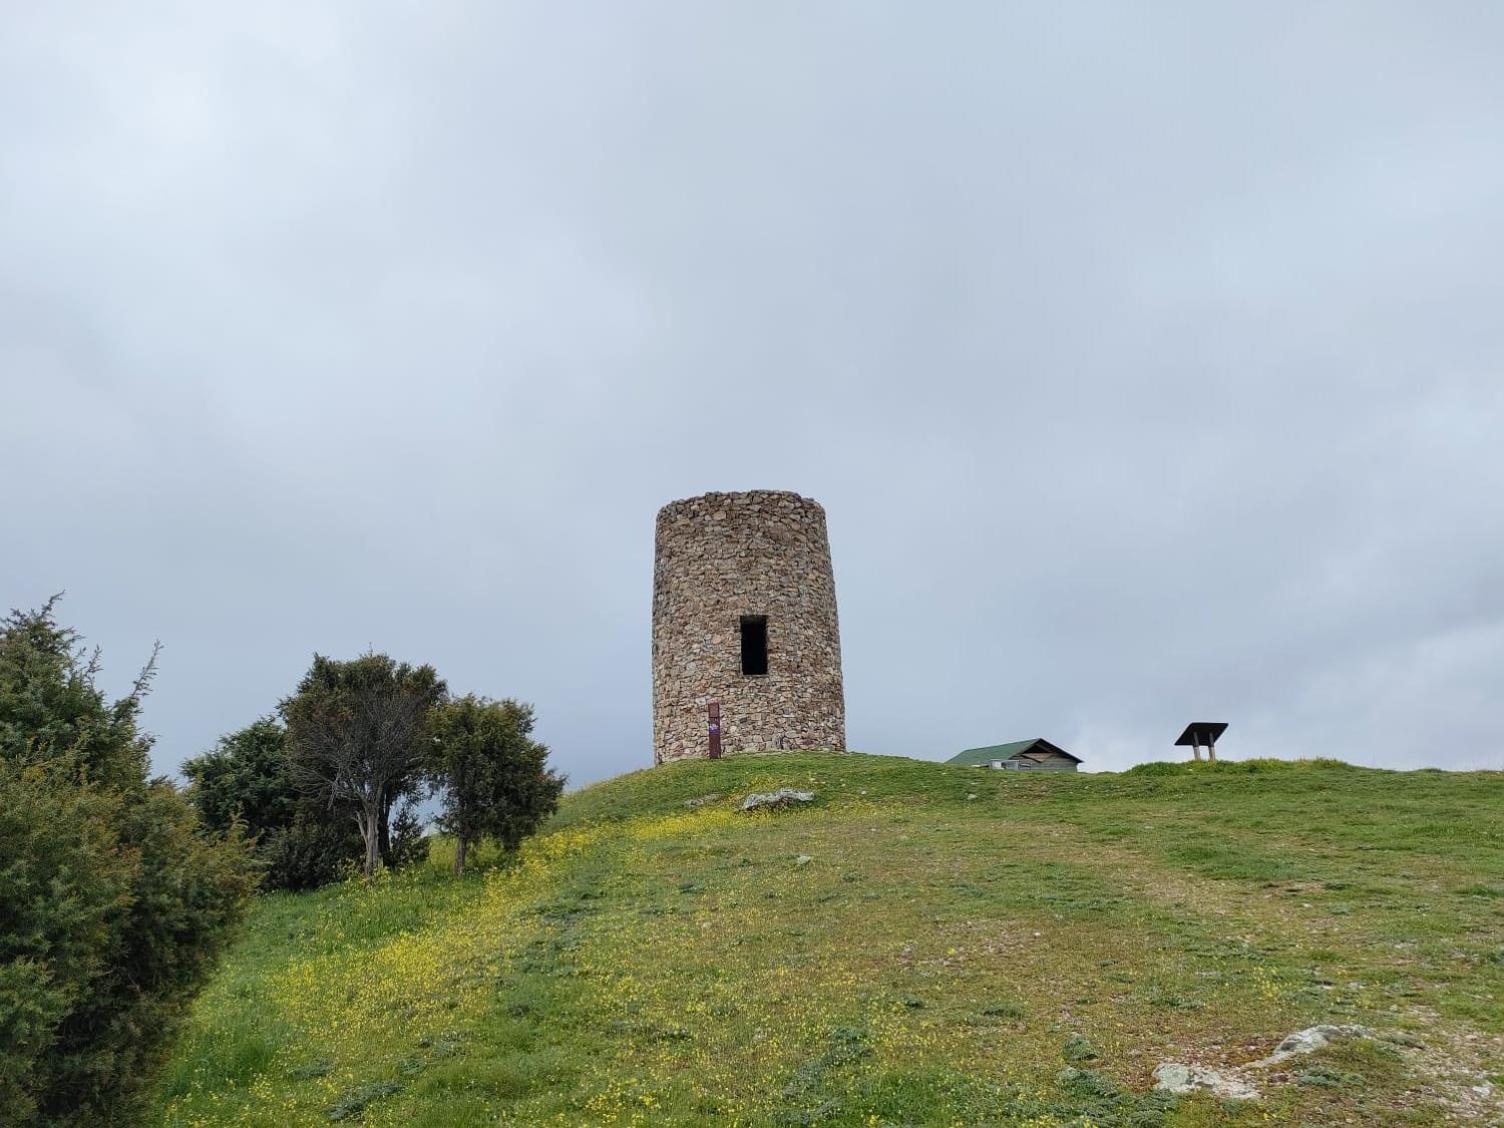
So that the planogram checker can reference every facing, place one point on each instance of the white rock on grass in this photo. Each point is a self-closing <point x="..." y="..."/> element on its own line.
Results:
<point x="775" y="800"/>
<point x="1176" y="1077"/>
<point x="1311" y="1039"/>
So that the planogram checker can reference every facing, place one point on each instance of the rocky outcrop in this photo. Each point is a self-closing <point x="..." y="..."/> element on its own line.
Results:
<point x="1178" y="1078"/>
<point x="775" y="800"/>
<point x="1181" y="1077"/>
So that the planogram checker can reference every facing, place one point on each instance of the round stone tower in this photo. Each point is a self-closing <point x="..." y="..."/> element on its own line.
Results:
<point x="744" y="615"/>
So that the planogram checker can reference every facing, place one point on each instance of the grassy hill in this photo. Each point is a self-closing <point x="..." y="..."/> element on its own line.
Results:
<point x="926" y="945"/>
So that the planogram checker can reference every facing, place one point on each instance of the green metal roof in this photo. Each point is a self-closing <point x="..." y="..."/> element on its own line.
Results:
<point x="1005" y="751"/>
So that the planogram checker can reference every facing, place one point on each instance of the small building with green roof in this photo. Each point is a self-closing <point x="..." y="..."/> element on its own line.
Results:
<point x="1037" y="755"/>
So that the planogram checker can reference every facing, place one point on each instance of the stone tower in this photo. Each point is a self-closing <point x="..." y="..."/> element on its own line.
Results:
<point x="744" y="614"/>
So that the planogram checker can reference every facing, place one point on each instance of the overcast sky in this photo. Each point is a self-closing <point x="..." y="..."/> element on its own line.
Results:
<point x="1147" y="359"/>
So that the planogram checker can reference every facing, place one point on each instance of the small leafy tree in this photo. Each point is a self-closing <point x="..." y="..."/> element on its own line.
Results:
<point x="113" y="902"/>
<point x="355" y="737"/>
<point x="494" y="778"/>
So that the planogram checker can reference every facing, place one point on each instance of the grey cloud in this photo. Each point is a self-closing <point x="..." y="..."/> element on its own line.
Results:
<point x="1146" y="361"/>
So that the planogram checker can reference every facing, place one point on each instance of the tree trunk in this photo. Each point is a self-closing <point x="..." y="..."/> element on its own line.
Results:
<point x="459" y="855"/>
<point x="384" y="834"/>
<point x="369" y="830"/>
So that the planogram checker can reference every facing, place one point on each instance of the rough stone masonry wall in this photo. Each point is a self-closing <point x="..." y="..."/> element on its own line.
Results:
<point x="719" y="557"/>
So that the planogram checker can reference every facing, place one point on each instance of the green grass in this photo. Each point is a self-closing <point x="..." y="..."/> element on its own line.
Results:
<point x="1024" y="957"/>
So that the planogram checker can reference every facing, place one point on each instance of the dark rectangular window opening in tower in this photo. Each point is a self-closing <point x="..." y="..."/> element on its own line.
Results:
<point x="754" y="644"/>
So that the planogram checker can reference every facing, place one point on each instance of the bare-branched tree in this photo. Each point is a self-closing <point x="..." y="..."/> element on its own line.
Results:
<point x="355" y="734"/>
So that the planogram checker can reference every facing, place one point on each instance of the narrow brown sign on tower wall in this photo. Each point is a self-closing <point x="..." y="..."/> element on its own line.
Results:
<point x="744" y="615"/>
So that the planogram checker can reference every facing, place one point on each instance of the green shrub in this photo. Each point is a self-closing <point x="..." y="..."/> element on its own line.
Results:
<point x="52" y="948"/>
<point x="113" y="902"/>
<point x="245" y="777"/>
<point x="311" y="851"/>
<point x="1157" y="768"/>
<point x="1252" y="766"/>
<point x="1078" y="1048"/>
<point x="1326" y="1077"/>
<point x="1271" y="764"/>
